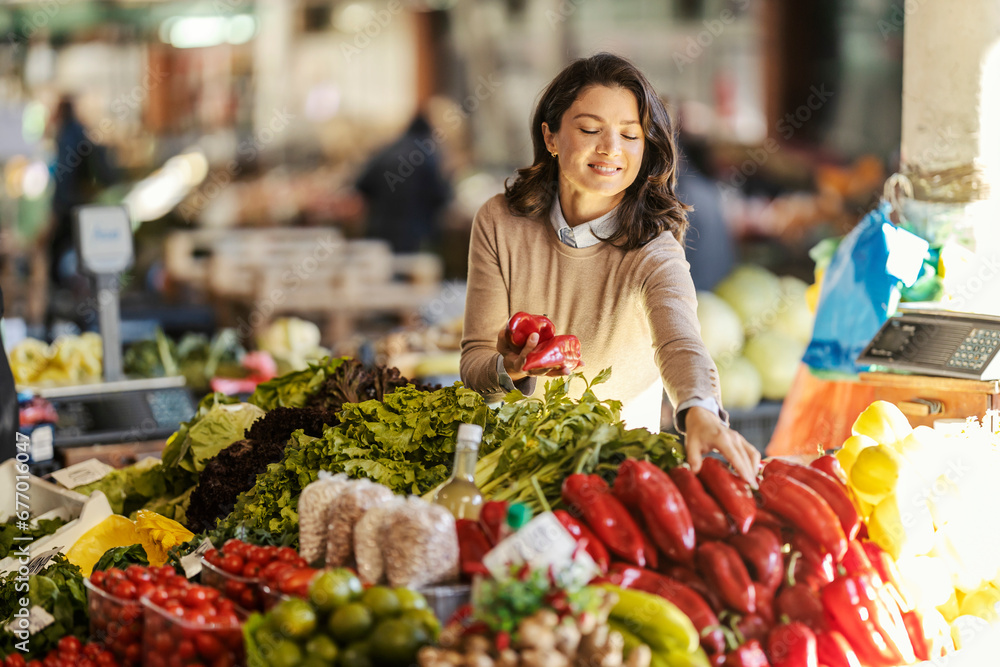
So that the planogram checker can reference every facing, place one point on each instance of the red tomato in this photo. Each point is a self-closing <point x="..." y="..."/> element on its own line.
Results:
<point x="137" y="573"/>
<point x="273" y="570"/>
<point x="287" y="554"/>
<point x="251" y="570"/>
<point x="186" y="650"/>
<point x="232" y="563"/>
<point x="208" y="646"/>
<point x="133" y="653"/>
<point x="92" y="650"/>
<point x="125" y="590"/>
<point x="296" y="582"/>
<point x="97" y="578"/>
<point x="259" y="555"/>
<point x="159" y="597"/>
<point x="248" y="599"/>
<point x="15" y="660"/>
<point x="195" y="596"/>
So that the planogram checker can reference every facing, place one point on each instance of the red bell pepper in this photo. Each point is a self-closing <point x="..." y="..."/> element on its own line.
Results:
<point x="472" y="546"/>
<point x="589" y="496"/>
<point x="833" y="650"/>
<point x="813" y="566"/>
<point x="685" y="598"/>
<point x="876" y="634"/>
<point x="750" y="654"/>
<point x="560" y="353"/>
<point x="752" y="626"/>
<point x="829" y="464"/>
<point x="801" y="602"/>
<point x="760" y="549"/>
<point x="723" y="569"/>
<point x="645" y="489"/>
<point x="709" y="520"/>
<point x="493" y="519"/>
<point x="764" y="599"/>
<point x="732" y="492"/>
<point x="521" y="325"/>
<point x="805" y="510"/>
<point x="792" y="645"/>
<point x="586" y="537"/>
<point x="832" y="491"/>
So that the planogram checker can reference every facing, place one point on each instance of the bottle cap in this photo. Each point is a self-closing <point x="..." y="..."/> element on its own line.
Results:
<point x="472" y="432"/>
<point x="518" y="514"/>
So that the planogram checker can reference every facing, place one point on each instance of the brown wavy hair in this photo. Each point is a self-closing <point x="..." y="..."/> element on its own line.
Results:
<point x="649" y="205"/>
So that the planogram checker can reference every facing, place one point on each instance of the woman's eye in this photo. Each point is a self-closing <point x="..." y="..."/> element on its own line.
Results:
<point x="629" y="138"/>
<point x="588" y="131"/>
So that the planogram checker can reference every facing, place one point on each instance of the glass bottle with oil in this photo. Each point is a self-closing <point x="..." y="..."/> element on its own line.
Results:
<point x="459" y="494"/>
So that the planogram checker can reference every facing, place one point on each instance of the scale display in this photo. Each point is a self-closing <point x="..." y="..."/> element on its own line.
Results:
<point x="946" y="344"/>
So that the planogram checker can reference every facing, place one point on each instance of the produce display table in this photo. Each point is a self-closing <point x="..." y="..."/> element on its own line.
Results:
<point x="924" y="399"/>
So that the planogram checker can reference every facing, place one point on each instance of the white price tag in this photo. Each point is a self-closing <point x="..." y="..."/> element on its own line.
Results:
<point x="542" y="544"/>
<point x="192" y="562"/>
<point x="33" y="620"/>
<point x="41" y="444"/>
<point x="85" y="472"/>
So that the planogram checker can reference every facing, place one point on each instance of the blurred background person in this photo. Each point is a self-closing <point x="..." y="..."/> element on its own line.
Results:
<point x="405" y="190"/>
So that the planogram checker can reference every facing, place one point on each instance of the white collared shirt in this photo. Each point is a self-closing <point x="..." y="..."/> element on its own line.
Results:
<point x="585" y="235"/>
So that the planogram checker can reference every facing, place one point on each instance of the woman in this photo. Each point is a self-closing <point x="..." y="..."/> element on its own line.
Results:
<point x="591" y="234"/>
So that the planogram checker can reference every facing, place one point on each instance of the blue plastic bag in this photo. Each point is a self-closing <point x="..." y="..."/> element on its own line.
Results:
<point x="861" y="288"/>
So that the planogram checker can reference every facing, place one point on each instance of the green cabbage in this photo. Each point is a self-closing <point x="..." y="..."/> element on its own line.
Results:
<point x="776" y="357"/>
<point x="721" y="328"/>
<point x="740" y="384"/>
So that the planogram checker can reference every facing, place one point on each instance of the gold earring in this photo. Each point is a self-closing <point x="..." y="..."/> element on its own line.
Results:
<point x="554" y="154"/>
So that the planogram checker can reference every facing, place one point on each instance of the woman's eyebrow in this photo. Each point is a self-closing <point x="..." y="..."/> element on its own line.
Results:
<point x="601" y="120"/>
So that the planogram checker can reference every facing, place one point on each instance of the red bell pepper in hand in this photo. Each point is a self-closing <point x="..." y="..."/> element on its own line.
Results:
<point x="760" y="549"/>
<point x="806" y="510"/>
<point x="588" y="496"/>
<point x="723" y="569"/>
<point x="732" y="492"/>
<point x="521" y="325"/>
<point x="792" y="645"/>
<point x="832" y="491"/>
<point x="801" y="602"/>
<point x="560" y="353"/>
<point x="647" y="490"/>
<point x="492" y="519"/>
<point x="833" y="650"/>
<point x="813" y="565"/>
<point x="709" y="520"/>
<point x="876" y="634"/>
<point x="585" y="536"/>
<point x="750" y="654"/>
<point x="472" y="546"/>
<point x="685" y="598"/>
<point x="829" y="464"/>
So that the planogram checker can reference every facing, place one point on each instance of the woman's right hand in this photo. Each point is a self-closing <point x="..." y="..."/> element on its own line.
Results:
<point x="514" y="358"/>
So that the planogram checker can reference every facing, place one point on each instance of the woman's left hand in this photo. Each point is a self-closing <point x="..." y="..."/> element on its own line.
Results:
<point x="706" y="432"/>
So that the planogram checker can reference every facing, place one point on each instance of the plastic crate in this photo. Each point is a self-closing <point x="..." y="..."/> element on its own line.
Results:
<point x="116" y="623"/>
<point x="757" y="424"/>
<point x="244" y="591"/>
<point x="169" y="640"/>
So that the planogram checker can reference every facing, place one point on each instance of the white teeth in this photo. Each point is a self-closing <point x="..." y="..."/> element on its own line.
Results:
<point x="604" y="170"/>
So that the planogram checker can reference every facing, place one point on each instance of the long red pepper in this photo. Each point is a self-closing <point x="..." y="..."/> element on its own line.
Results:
<point x="887" y="571"/>
<point x="693" y="580"/>
<point x="806" y="510"/>
<point x="584" y="535"/>
<point x="760" y="549"/>
<point x="831" y="490"/>
<point x="589" y="496"/>
<point x="856" y="560"/>
<point x="723" y="569"/>
<point x="829" y="464"/>
<point x="918" y="638"/>
<point x="833" y="650"/>
<point x="855" y="609"/>
<point x="559" y="352"/>
<point x="732" y="492"/>
<point x="686" y="599"/>
<point x="709" y="520"/>
<point x="792" y="645"/>
<point x="750" y="654"/>
<point x="472" y="546"/>
<point x="646" y="489"/>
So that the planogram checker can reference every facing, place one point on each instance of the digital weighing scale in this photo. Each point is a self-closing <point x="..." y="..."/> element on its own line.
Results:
<point x="116" y="410"/>
<point x="938" y="343"/>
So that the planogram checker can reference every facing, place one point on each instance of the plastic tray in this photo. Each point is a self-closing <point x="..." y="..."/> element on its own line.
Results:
<point x="39" y="496"/>
<point x="244" y="591"/>
<point x="444" y="601"/>
<point x="170" y="641"/>
<point x="116" y="623"/>
<point x="271" y="597"/>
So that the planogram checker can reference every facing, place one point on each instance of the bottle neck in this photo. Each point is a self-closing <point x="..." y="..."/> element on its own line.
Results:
<point x="466" y="456"/>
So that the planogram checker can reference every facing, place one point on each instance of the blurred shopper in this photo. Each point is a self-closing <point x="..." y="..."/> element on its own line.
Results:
<point x="405" y="190"/>
<point x="592" y="234"/>
<point x="81" y="170"/>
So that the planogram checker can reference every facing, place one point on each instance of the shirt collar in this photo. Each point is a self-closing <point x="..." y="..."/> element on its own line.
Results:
<point x="584" y="235"/>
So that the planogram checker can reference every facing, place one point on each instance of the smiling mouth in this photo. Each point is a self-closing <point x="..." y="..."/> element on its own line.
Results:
<point x="604" y="170"/>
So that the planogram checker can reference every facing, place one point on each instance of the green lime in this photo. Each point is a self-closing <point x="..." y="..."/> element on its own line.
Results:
<point x="350" y="623"/>
<point x="382" y="601"/>
<point x="410" y="599"/>
<point x="424" y="619"/>
<point x="398" y="642"/>
<point x="267" y="636"/>
<point x="322" y="647"/>
<point x="295" y="618"/>
<point x="331" y="589"/>
<point x="356" y="655"/>
<point x="286" y="653"/>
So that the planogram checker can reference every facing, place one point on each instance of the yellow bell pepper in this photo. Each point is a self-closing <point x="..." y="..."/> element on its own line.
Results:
<point x="875" y="473"/>
<point x="848" y="454"/>
<point x="984" y="604"/>
<point x="883" y="422"/>
<point x="909" y="534"/>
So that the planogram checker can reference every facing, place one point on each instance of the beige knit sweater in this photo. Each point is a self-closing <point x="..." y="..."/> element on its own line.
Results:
<point x="633" y="311"/>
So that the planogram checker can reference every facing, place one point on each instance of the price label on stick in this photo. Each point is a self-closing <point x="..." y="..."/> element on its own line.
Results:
<point x="83" y="473"/>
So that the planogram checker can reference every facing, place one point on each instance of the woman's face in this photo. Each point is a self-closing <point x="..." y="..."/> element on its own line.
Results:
<point x="599" y="143"/>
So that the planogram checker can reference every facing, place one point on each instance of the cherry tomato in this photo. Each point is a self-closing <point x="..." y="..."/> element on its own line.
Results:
<point x="208" y="646"/>
<point x="251" y="570"/>
<point x="287" y="554"/>
<point x="14" y="660"/>
<point x="97" y="578"/>
<point x="196" y="596"/>
<point x="69" y="644"/>
<point x="125" y="590"/>
<point x="137" y="573"/>
<point x="232" y="563"/>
